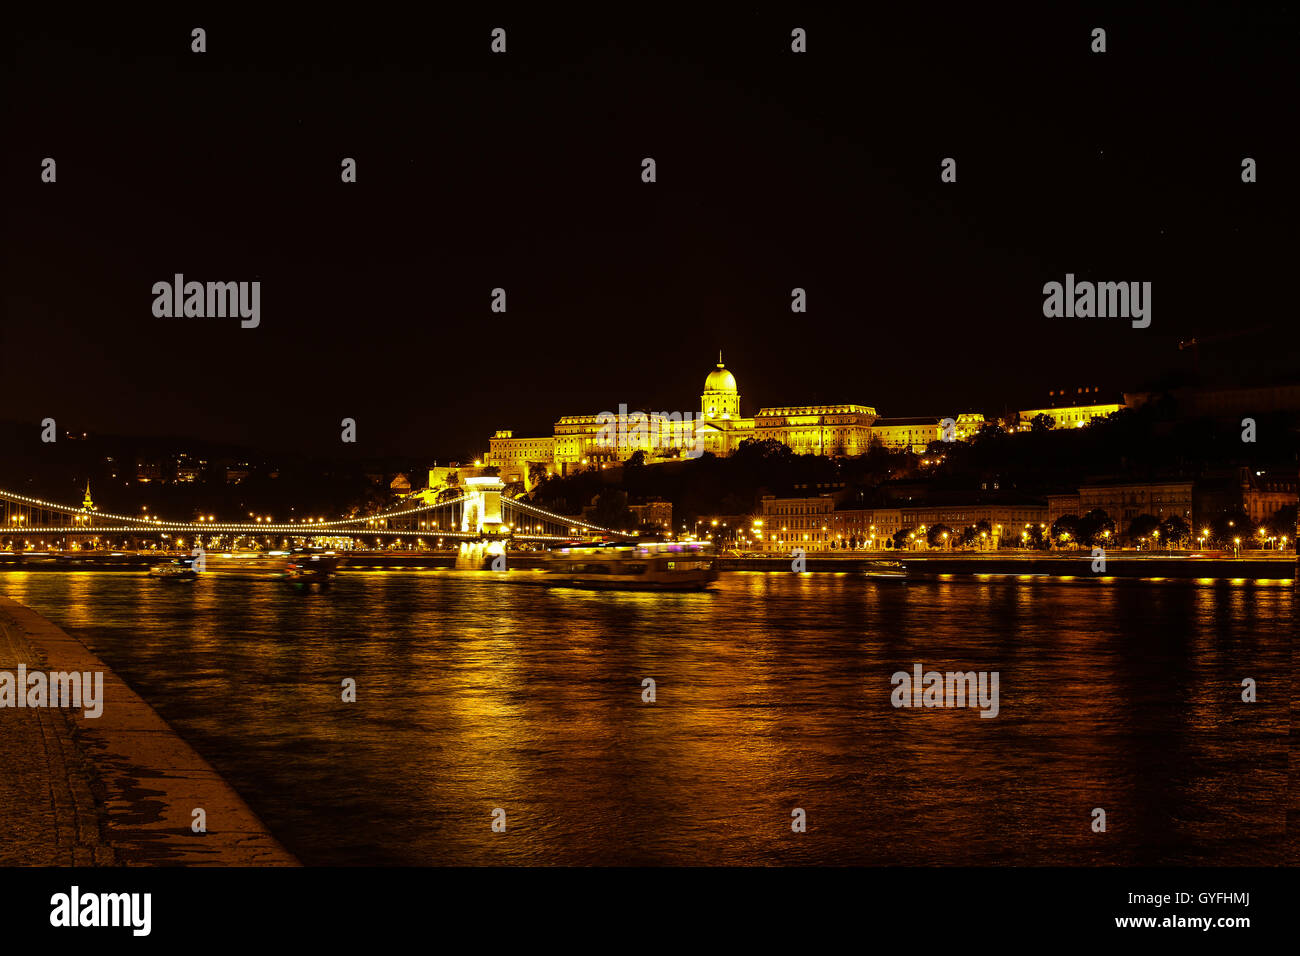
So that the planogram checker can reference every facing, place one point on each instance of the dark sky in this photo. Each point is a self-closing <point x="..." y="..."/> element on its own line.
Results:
<point x="775" y="170"/>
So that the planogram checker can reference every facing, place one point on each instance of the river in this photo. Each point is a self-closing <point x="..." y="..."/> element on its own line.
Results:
<point x="772" y="693"/>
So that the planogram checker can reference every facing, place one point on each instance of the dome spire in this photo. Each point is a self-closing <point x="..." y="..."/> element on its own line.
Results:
<point x="720" y="379"/>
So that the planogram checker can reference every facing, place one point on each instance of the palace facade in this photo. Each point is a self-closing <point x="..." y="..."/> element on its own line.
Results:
<point x="579" y="442"/>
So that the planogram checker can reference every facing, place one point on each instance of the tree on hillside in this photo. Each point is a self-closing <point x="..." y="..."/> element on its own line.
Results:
<point x="611" y="510"/>
<point x="762" y="450"/>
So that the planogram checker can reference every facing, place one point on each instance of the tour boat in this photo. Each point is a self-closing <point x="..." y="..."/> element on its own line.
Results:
<point x="306" y="565"/>
<point x="301" y="565"/>
<point x="642" y="566"/>
<point x="886" y="569"/>
<point x="180" y="569"/>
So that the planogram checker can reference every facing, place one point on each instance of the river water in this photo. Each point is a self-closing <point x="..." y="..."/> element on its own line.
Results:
<point x="772" y="693"/>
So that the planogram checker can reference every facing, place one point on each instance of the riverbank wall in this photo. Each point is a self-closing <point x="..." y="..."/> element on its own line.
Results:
<point x="120" y="789"/>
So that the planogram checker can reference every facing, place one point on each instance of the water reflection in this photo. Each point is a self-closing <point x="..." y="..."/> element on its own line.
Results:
<point x="772" y="693"/>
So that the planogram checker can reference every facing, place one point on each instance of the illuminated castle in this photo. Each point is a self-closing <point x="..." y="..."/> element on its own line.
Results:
<point x="580" y="442"/>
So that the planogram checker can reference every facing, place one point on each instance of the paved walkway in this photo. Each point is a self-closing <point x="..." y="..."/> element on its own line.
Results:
<point x="115" y="790"/>
<point x="48" y="815"/>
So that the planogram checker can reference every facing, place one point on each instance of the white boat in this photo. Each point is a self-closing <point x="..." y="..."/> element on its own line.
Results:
<point x="886" y="569"/>
<point x="179" y="569"/>
<point x="643" y="566"/>
<point x="300" y="564"/>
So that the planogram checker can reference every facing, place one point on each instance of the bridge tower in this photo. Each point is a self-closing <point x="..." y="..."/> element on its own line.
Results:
<point x="482" y="516"/>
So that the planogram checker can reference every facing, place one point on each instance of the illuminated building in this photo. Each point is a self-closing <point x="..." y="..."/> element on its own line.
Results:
<point x="968" y="424"/>
<point x="1260" y="496"/>
<point x="799" y="522"/>
<point x="654" y="513"/>
<point x="1070" y="410"/>
<point x="875" y="527"/>
<point x="1263" y="495"/>
<point x="1006" y="520"/>
<point x="906" y="434"/>
<point x="866" y="527"/>
<point x="1072" y="416"/>
<point x="721" y="398"/>
<point x="581" y="442"/>
<point x="835" y="430"/>
<point x="1125" y="500"/>
<point x="1058" y="506"/>
<point x="517" y="457"/>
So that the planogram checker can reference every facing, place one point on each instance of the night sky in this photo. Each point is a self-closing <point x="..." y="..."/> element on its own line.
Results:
<point x="775" y="170"/>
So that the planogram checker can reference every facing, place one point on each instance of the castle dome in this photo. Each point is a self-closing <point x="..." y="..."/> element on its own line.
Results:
<point x="720" y="380"/>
